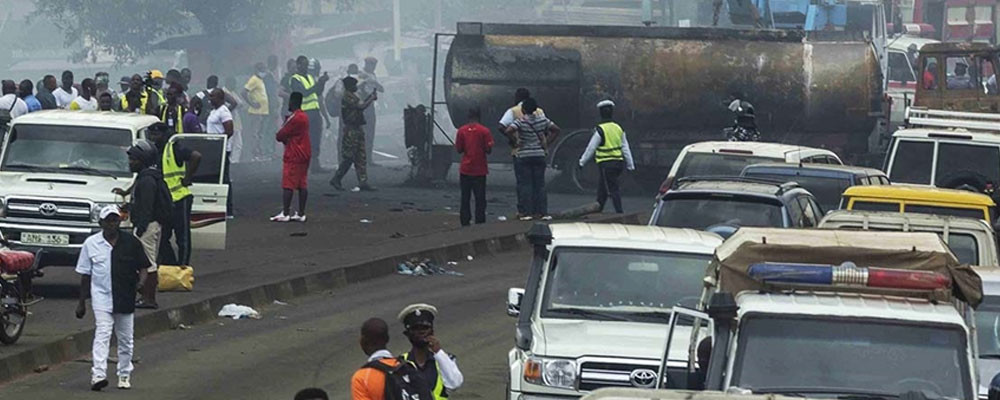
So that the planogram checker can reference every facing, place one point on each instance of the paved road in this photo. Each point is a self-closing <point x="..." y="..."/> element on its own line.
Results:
<point x="313" y="341"/>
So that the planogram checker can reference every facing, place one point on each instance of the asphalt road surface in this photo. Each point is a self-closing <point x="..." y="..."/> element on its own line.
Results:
<point x="312" y="341"/>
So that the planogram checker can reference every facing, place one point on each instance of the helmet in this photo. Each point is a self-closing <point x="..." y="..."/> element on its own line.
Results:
<point x="154" y="74"/>
<point x="144" y="151"/>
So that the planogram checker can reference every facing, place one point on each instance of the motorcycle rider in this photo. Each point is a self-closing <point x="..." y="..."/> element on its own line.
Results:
<point x="745" y="127"/>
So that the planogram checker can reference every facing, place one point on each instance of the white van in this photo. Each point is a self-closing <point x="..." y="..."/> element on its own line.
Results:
<point x="57" y="170"/>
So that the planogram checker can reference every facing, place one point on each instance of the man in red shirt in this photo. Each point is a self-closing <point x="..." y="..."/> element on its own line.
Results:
<point x="294" y="134"/>
<point x="473" y="141"/>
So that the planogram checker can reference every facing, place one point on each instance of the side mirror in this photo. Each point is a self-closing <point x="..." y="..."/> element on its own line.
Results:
<point x="514" y="296"/>
<point x="994" y="391"/>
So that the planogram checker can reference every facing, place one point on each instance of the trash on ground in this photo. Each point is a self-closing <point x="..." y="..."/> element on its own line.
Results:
<point x="280" y="303"/>
<point x="41" y="368"/>
<point x="452" y="262"/>
<point x="501" y="218"/>
<point x="425" y="267"/>
<point x="366" y="221"/>
<point x="182" y="327"/>
<point x="237" y="311"/>
<point x="397" y="235"/>
<point x="356" y="189"/>
<point x="469" y="257"/>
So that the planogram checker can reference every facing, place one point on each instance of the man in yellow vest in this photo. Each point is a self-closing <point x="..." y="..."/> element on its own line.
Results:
<point x="435" y="367"/>
<point x="310" y="87"/>
<point x="139" y="99"/>
<point x="610" y="147"/>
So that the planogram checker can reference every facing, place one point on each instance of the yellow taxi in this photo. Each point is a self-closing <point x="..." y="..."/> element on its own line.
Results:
<point x="919" y="199"/>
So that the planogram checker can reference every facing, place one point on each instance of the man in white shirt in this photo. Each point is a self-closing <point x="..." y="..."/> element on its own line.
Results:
<point x="111" y="264"/>
<point x="66" y="93"/>
<point x="10" y="102"/>
<point x="220" y="121"/>
<point x="86" y="101"/>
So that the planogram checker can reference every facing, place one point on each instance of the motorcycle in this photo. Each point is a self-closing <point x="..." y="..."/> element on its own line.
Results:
<point x="741" y="134"/>
<point x="16" y="271"/>
<point x="745" y="127"/>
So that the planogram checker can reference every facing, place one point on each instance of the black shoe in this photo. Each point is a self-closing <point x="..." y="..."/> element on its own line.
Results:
<point x="336" y="184"/>
<point x="97" y="386"/>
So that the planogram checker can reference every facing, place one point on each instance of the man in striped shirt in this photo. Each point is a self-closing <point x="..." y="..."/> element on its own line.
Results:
<point x="531" y="134"/>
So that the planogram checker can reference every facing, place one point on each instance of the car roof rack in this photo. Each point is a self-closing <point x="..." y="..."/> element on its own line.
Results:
<point x="782" y="185"/>
<point x="924" y="117"/>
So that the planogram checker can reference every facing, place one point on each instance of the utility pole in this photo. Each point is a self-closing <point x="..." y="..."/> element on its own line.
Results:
<point x="437" y="15"/>
<point x="396" y="36"/>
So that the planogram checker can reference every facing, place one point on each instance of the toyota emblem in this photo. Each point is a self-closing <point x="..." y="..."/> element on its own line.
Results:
<point x="48" y="209"/>
<point x="643" y="378"/>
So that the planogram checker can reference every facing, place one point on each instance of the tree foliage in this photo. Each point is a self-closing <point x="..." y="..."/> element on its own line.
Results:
<point x="129" y="29"/>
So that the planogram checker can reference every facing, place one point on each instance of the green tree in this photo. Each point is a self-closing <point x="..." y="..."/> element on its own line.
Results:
<point x="129" y="29"/>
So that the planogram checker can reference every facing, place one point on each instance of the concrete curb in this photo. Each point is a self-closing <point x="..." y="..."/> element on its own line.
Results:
<point x="73" y="346"/>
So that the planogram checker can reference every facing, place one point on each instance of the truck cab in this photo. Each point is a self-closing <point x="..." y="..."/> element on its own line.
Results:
<point x="791" y="313"/>
<point x="596" y="306"/>
<point x="958" y="77"/>
<point x="58" y="169"/>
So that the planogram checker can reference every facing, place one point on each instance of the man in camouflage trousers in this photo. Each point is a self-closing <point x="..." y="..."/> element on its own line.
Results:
<point x="352" y="149"/>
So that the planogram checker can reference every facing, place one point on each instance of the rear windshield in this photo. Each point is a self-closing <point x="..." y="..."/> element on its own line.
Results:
<point x="912" y="162"/>
<point x="964" y="164"/>
<point x="703" y="211"/>
<point x="718" y="164"/>
<point x="874" y="206"/>
<point x="948" y="211"/>
<point x="827" y="190"/>
<point x="965" y="248"/>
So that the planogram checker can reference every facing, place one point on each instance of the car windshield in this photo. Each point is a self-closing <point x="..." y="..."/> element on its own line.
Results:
<point x="718" y="164"/>
<point x="965" y="248"/>
<point x="988" y="327"/>
<point x="827" y="355"/>
<point x="612" y="284"/>
<point x="827" y="190"/>
<point x="702" y="211"/>
<point x="68" y="149"/>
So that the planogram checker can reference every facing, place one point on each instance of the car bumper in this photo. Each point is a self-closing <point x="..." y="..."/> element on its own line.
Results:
<point x="51" y="254"/>
<point x="536" y="396"/>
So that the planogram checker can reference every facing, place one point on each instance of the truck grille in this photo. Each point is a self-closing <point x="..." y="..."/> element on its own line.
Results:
<point x="595" y="375"/>
<point x="48" y="209"/>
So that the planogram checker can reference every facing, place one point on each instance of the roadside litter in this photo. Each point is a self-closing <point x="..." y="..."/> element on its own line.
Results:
<point x="236" y="311"/>
<point x="366" y="221"/>
<point x="426" y="267"/>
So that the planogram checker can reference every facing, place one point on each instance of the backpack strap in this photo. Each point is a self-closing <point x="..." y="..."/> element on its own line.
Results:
<point x="381" y="366"/>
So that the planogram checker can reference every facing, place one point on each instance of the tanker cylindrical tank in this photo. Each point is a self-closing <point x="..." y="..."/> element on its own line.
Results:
<point x="670" y="85"/>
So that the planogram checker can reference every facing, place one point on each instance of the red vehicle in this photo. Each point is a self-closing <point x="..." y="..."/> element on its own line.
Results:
<point x="16" y="268"/>
<point x="957" y="20"/>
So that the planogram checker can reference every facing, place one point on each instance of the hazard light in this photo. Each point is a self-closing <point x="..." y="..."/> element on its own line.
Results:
<point x="848" y="274"/>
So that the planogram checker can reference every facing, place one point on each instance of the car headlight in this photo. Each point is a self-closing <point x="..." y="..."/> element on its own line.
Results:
<point x="559" y="373"/>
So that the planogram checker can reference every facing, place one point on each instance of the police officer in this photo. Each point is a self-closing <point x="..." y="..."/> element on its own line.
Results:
<point x="310" y="87"/>
<point x="613" y="155"/>
<point x="436" y="367"/>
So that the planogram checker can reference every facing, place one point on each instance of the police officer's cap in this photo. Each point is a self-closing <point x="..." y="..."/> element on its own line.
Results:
<point x="606" y="103"/>
<point x="418" y="315"/>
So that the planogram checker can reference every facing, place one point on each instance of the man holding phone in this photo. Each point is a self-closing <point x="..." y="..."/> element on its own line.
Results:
<point x="435" y="366"/>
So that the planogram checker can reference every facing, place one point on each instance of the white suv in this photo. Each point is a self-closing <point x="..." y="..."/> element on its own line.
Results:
<point x="57" y="169"/>
<point x="598" y="306"/>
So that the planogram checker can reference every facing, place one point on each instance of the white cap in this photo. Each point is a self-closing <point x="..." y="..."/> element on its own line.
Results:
<point x="605" y="103"/>
<point x="110" y="209"/>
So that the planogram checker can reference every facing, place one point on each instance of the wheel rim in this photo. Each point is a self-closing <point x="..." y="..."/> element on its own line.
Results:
<point x="12" y="321"/>
<point x="585" y="179"/>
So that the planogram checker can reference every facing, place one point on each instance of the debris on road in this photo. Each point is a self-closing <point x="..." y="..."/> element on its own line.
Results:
<point x="469" y="257"/>
<point x="366" y="221"/>
<point x="280" y="303"/>
<point x="397" y="235"/>
<point x="41" y="368"/>
<point x="426" y="267"/>
<point x="502" y="218"/>
<point x="182" y="327"/>
<point x="236" y="311"/>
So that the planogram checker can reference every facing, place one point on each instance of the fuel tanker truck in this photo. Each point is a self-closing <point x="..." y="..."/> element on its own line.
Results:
<point x="670" y="86"/>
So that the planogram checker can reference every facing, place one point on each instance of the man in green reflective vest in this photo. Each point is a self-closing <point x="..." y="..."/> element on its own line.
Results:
<point x="310" y="87"/>
<point x="610" y="147"/>
<point x="435" y="367"/>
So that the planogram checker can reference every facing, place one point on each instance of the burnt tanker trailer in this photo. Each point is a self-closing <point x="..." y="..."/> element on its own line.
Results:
<point x="670" y="85"/>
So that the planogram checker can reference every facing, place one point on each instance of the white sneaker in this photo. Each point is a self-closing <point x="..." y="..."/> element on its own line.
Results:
<point x="124" y="383"/>
<point x="281" y="217"/>
<point x="298" y="218"/>
<point x="546" y="218"/>
<point x="356" y="189"/>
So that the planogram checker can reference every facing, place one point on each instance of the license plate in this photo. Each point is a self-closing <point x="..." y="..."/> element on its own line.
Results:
<point x="44" y="238"/>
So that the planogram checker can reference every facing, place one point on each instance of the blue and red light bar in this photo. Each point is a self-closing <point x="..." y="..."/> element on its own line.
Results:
<point x="848" y="274"/>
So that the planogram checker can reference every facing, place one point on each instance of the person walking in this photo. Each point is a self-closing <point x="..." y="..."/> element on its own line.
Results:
<point x="110" y="265"/>
<point x="613" y="155"/>
<point x="369" y="84"/>
<point x="512" y="114"/>
<point x="87" y="101"/>
<point x="334" y="97"/>
<point x="473" y="141"/>
<point x="10" y="102"/>
<point x="353" y="149"/>
<point x="66" y="93"/>
<point x="309" y="86"/>
<point x="150" y="211"/>
<point x="255" y="94"/>
<point x="294" y="134"/>
<point x="220" y="121"/>
<point x="531" y="134"/>
<point x="26" y="91"/>
<point x="435" y="367"/>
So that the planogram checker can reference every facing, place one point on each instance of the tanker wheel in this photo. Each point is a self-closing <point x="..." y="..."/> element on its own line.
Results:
<point x="572" y="178"/>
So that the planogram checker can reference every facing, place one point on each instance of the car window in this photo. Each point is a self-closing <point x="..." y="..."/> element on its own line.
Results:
<point x="960" y="75"/>
<point x="988" y="327"/>
<point x="826" y="190"/>
<point x="809" y="217"/>
<point x="946" y="211"/>
<point x="718" y="164"/>
<point x="861" y="205"/>
<point x="833" y="160"/>
<point x="700" y="211"/>
<point x="62" y="149"/>
<point x="929" y="79"/>
<point x="911" y="162"/>
<point x="899" y="68"/>
<point x="795" y="214"/>
<point x="966" y="164"/>
<point x="965" y="248"/>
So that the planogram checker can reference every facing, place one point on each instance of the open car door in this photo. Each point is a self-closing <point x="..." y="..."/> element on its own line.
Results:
<point x="208" y="212"/>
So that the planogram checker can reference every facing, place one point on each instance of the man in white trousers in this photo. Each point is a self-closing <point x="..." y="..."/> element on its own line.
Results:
<point x="111" y="263"/>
